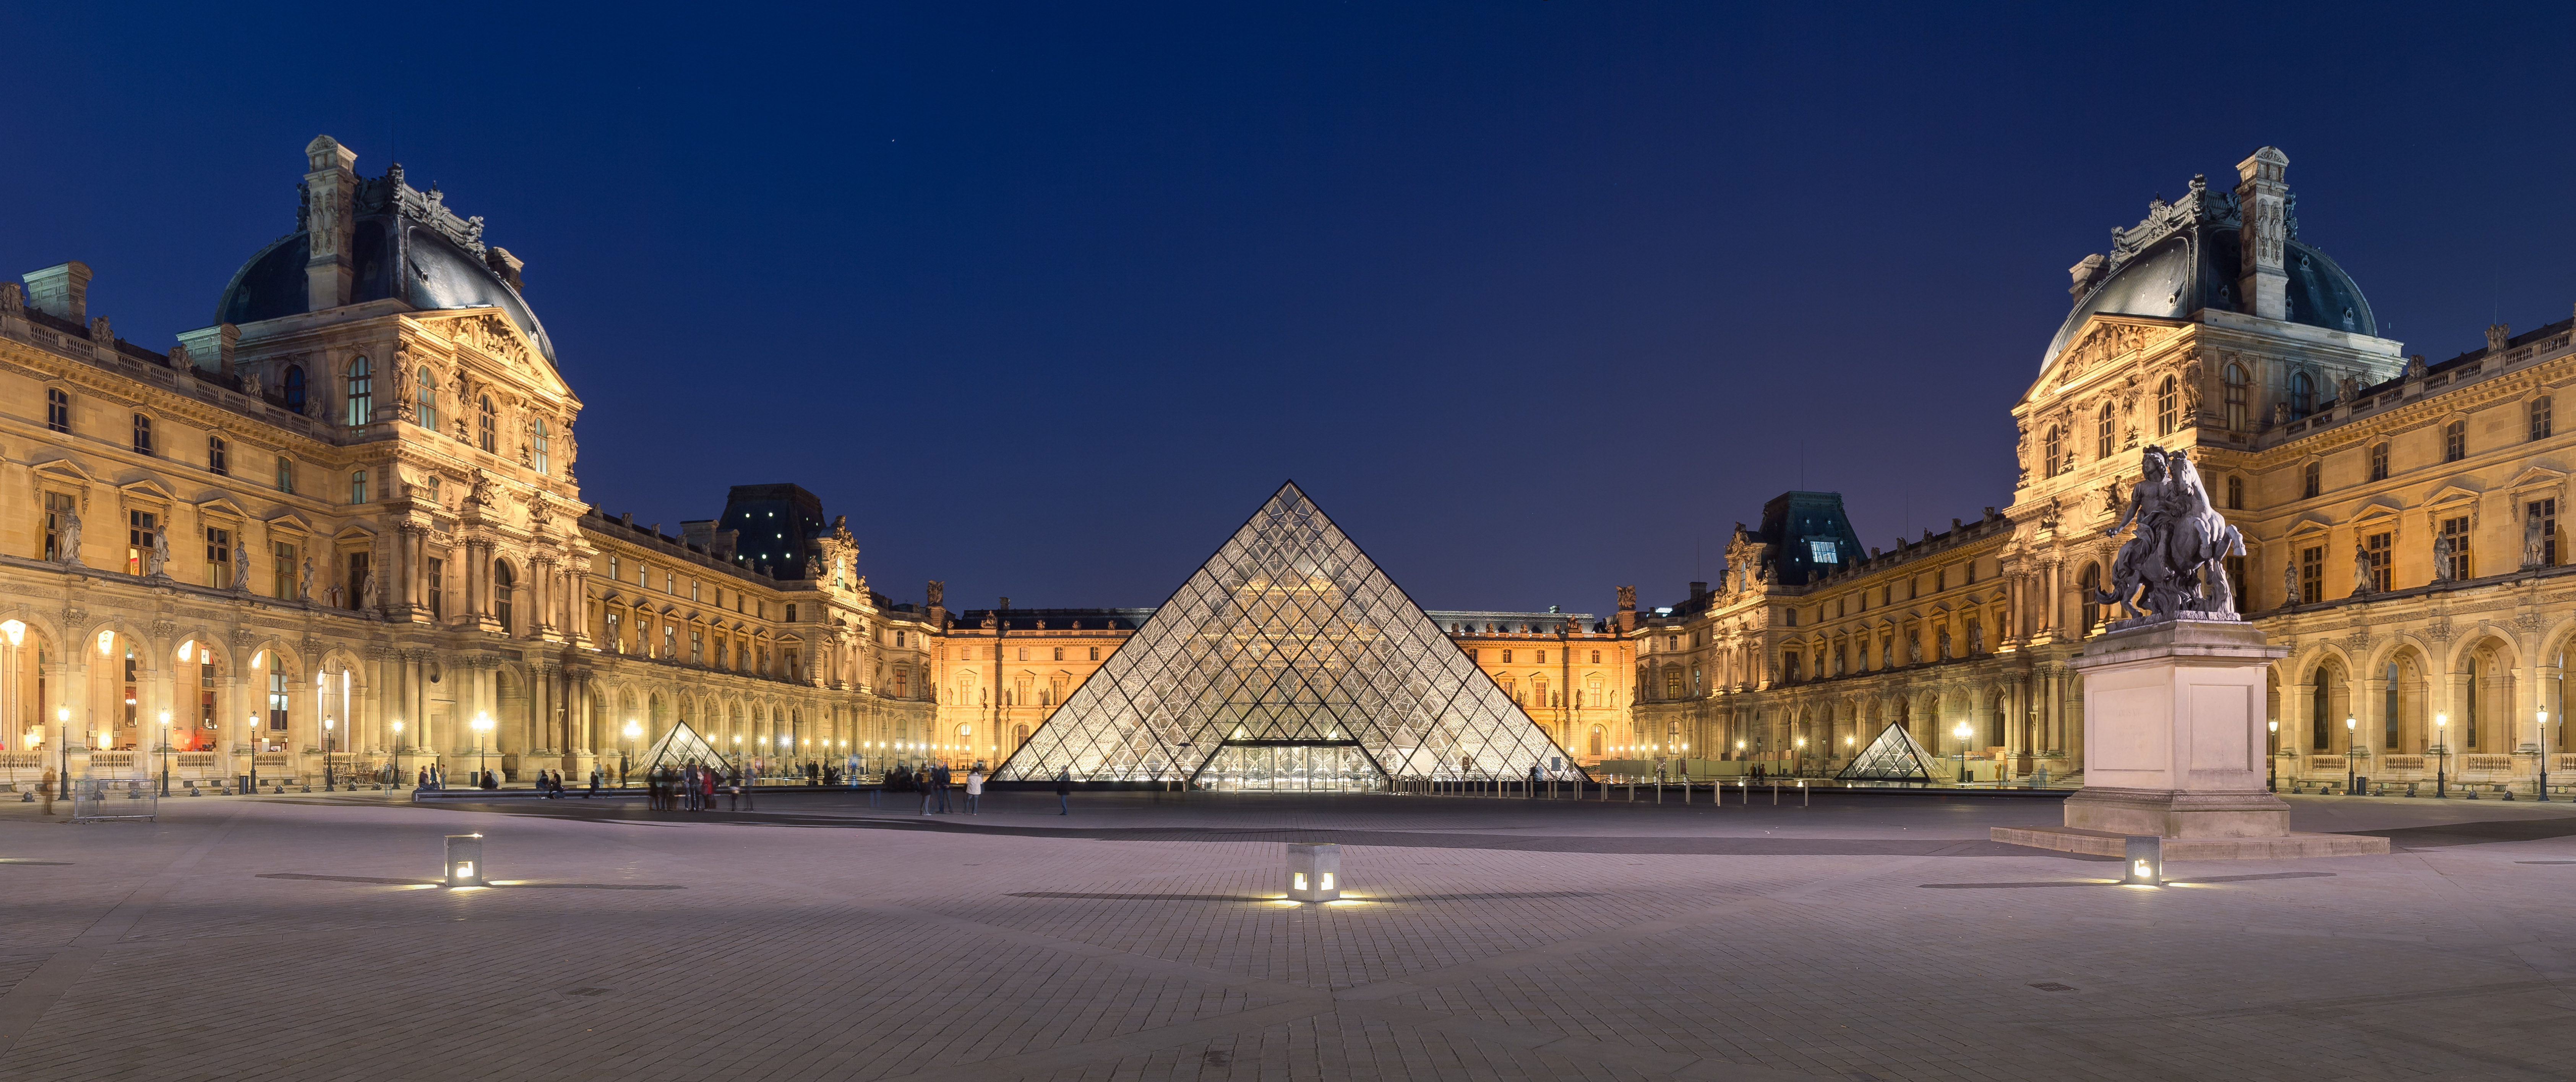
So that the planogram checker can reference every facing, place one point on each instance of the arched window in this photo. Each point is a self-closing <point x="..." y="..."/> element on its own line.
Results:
<point x="486" y="425"/>
<point x="2088" y="586"/>
<point x="2053" y="447"/>
<point x="503" y="580"/>
<point x="2303" y="395"/>
<point x="2235" y="401"/>
<point x="2104" y="434"/>
<point x="2321" y="711"/>
<point x="294" y="383"/>
<point x="2235" y="493"/>
<point x="362" y="392"/>
<point x="428" y="399"/>
<point x="2168" y="406"/>
<point x="2388" y="710"/>
<point x="537" y="430"/>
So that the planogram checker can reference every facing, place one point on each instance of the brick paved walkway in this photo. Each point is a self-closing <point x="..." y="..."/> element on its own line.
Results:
<point x="277" y="938"/>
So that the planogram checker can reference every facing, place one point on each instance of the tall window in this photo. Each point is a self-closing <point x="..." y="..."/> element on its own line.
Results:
<point x="142" y="434"/>
<point x="2088" y="587"/>
<point x="2054" y="451"/>
<point x="434" y="570"/>
<point x="2321" y="712"/>
<point x="294" y="388"/>
<point x="2455" y="441"/>
<point x="57" y="505"/>
<point x="276" y="696"/>
<point x="503" y="580"/>
<point x="2168" y="406"/>
<point x="281" y="572"/>
<point x="218" y="457"/>
<point x="2469" y="724"/>
<point x="2235" y="493"/>
<point x="2540" y="418"/>
<point x="2379" y="462"/>
<point x="537" y="450"/>
<point x="2388" y="710"/>
<point x="2375" y="549"/>
<point x="219" y="558"/>
<point x="141" y="529"/>
<point x="2235" y="398"/>
<point x="2547" y="512"/>
<point x="2243" y="587"/>
<point x="2312" y="575"/>
<point x="2303" y="395"/>
<point x="697" y="645"/>
<point x="2311" y="480"/>
<point x="428" y="399"/>
<point x="362" y="392"/>
<point x="58" y="409"/>
<point x="358" y="486"/>
<point x="360" y="570"/>
<point x="285" y="474"/>
<point x="2457" y="529"/>
<point x="2105" y="440"/>
<point x="486" y="425"/>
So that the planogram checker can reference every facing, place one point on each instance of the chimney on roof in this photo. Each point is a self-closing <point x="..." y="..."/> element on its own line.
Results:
<point x="1006" y="603"/>
<point x="211" y="348"/>
<point x="2263" y="190"/>
<point x="61" y="291"/>
<point x="1698" y="590"/>
<point x="329" y="186"/>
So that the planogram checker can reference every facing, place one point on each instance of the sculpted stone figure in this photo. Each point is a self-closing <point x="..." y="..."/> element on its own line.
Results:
<point x="2289" y="584"/>
<point x="373" y="600"/>
<point x="2532" y="541"/>
<point x="160" y="554"/>
<point x="2180" y="541"/>
<point x="241" y="568"/>
<point x="2363" y="581"/>
<point x="2442" y="551"/>
<point x="304" y="584"/>
<point x="70" y="539"/>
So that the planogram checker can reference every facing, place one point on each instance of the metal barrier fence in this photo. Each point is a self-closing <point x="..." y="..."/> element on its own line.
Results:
<point x="96" y="800"/>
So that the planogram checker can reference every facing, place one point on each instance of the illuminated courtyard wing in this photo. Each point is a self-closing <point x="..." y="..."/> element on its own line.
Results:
<point x="1287" y="662"/>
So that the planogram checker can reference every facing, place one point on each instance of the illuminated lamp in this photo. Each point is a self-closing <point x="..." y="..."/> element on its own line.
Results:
<point x="1314" y="871"/>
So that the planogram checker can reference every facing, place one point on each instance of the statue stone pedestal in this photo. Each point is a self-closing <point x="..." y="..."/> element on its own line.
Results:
<point x="2174" y="745"/>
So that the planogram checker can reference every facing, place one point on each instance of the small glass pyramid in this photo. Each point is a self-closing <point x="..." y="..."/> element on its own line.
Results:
<point x="1894" y="756"/>
<point x="677" y="748"/>
<point x="1288" y="661"/>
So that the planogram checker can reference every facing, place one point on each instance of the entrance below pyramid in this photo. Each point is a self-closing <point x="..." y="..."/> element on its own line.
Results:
<point x="1279" y="766"/>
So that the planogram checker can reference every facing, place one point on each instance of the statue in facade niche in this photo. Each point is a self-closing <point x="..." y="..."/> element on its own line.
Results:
<point x="241" y="568"/>
<point x="1944" y="644"/>
<point x="2442" y="550"/>
<point x="2363" y="582"/>
<point x="304" y="584"/>
<point x="70" y="531"/>
<point x="2533" y="550"/>
<point x="373" y="599"/>
<point x="2180" y="540"/>
<point x="160" y="555"/>
<point x="2289" y="583"/>
<point x="1976" y="637"/>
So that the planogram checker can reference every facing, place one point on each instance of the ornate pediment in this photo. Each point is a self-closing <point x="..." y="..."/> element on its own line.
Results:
<point x="2105" y="340"/>
<point x="2538" y="477"/>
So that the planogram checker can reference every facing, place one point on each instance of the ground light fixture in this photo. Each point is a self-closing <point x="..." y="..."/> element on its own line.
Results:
<point x="1314" y="871"/>
<point x="2145" y="863"/>
<point x="465" y="860"/>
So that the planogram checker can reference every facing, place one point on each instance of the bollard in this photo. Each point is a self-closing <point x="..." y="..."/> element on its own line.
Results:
<point x="1314" y="869"/>
<point x="465" y="860"/>
<point x="2146" y="861"/>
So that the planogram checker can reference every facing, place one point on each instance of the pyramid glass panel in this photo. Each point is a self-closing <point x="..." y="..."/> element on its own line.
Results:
<point x="1288" y="661"/>
<point x="1894" y="756"/>
<point x="677" y="748"/>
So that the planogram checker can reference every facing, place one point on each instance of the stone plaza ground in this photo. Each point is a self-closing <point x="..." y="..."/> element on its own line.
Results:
<point x="1865" y="937"/>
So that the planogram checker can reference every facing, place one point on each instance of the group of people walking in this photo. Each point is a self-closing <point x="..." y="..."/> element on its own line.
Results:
<point x="933" y="783"/>
<point x="692" y="787"/>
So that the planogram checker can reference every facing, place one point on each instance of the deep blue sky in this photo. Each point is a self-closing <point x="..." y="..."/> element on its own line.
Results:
<point x="1536" y="298"/>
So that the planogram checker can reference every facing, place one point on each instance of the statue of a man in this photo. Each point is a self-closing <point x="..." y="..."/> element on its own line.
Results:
<point x="2289" y="583"/>
<point x="2363" y="581"/>
<point x="161" y="554"/>
<point x="304" y="583"/>
<point x="2532" y="543"/>
<point x="70" y="538"/>
<point x="241" y="568"/>
<point x="2442" y="550"/>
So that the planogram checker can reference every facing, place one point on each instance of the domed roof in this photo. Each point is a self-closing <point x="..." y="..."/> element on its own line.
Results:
<point x="405" y="244"/>
<point x="2185" y="257"/>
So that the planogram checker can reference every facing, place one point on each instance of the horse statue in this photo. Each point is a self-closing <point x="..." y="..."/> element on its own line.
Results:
<point x="2181" y="543"/>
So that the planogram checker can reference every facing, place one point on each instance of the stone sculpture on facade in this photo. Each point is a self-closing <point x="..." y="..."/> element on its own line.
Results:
<point x="2532" y="540"/>
<point x="241" y="568"/>
<point x="304" y="584"/>
<point x="373" y="599"/>
<point x="2180" y="541"/>
<point x="2289" y="583"/>
<point x="160" y="555"/>
<point x="2442" y="550"/>
<point x="2363" y="582"/>
<point x="70" y="539"/>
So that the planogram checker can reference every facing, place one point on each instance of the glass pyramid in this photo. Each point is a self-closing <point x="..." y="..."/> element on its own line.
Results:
<point x="1894" y="756"/>
<point x="1287" y="661"/>
<point x="677" y="748"/>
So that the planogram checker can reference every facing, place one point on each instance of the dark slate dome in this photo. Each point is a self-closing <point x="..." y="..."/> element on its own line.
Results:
<point x="2185" y="257"/>
<point x="405" y="244"/>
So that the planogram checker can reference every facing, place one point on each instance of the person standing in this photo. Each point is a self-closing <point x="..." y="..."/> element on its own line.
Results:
<point x="922" y="782"/>
<point x="710" y="782"/>
<point x="943" y="779"/>
<point x="1064" y="791"/>
<point x="49" y="791"/>
<point x="748" y="786"/>
<point x="594" y="783"/>
<point x="974" y="790"/>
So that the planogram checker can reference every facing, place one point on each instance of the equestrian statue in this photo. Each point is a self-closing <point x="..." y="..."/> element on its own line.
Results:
<point x="2178" y="555"/>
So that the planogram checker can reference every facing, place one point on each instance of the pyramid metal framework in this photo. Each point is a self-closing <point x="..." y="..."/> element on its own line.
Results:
<point x="1288" y="635"/>
<point x="679" y="747"/>
<point x="1894" y="756"/>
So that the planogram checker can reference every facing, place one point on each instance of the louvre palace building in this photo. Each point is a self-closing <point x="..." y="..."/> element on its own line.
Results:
<point x="336" y="535"/>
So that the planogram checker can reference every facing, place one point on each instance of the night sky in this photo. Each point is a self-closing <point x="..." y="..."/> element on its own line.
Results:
<point x="1535" y="298"/>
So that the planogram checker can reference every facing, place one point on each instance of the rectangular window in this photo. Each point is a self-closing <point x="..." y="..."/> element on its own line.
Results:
<point x="2547" y="512"/>
<point x="791" y="614"/>
<point x="57" y="505"/>
<point x="671" y="583"/>
<point x="58" y="409"/>
<point x="2312" y="575"/>
<point x="360" y="570"/>
<point x="281" y="573"/>
<point x="2455" y="441"/>
<point x="1059" y="653"/>
<point x="1673" y="682"/>
<point x="670" y="640"/>
<point x="285" y="474"/>
<point x="697" y="646"/>
<point x="218" y="462"/>
<point x="219" y="558"/>
<point x="2310" y="481"/>
<point x="1940" y="580"/>
<point x="902" y="683"/>
<point x="142" y="434"/>
<point x="436" y="569"/>
<point x="2378" y="462"/>
<point x="141" y="528"/>
<point x="693" y="590"/>
<point x="612" y="569"/>
<point x="2375" y="549"/>
<point x="1596" y="657"/>
<point x="1542" y="658"/>
<point x="898" y="638"/>
<point x="276" y="699"/>
<point x="1095" y="653"/>
<point x="2457" y="530"/>
<point x="2243" y="587"/>
<point x="2540" y="418"/>
<point x="358" y="486"/>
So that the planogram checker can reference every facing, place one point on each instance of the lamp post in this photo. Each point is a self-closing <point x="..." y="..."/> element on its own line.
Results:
<point x="327" y="781"/>
<point x="1802" y="757"/>
<point x="623" y="764"/>
<point x="2441" y="756"/>
<point x="1962" y="733"/>
<point x="2351" y="748"/>
<point x="2541" y="749"/>
<point x="165" y="757"/>
<point x="482" y="762"/>
<point x="2272" y="758"/>
<point x="398" y="750"/>
<point x="250" y="728"/>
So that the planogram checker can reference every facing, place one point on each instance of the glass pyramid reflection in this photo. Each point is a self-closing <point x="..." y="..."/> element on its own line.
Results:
<point x="1286" y="642"/>
<point x="1894" y="756"/>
